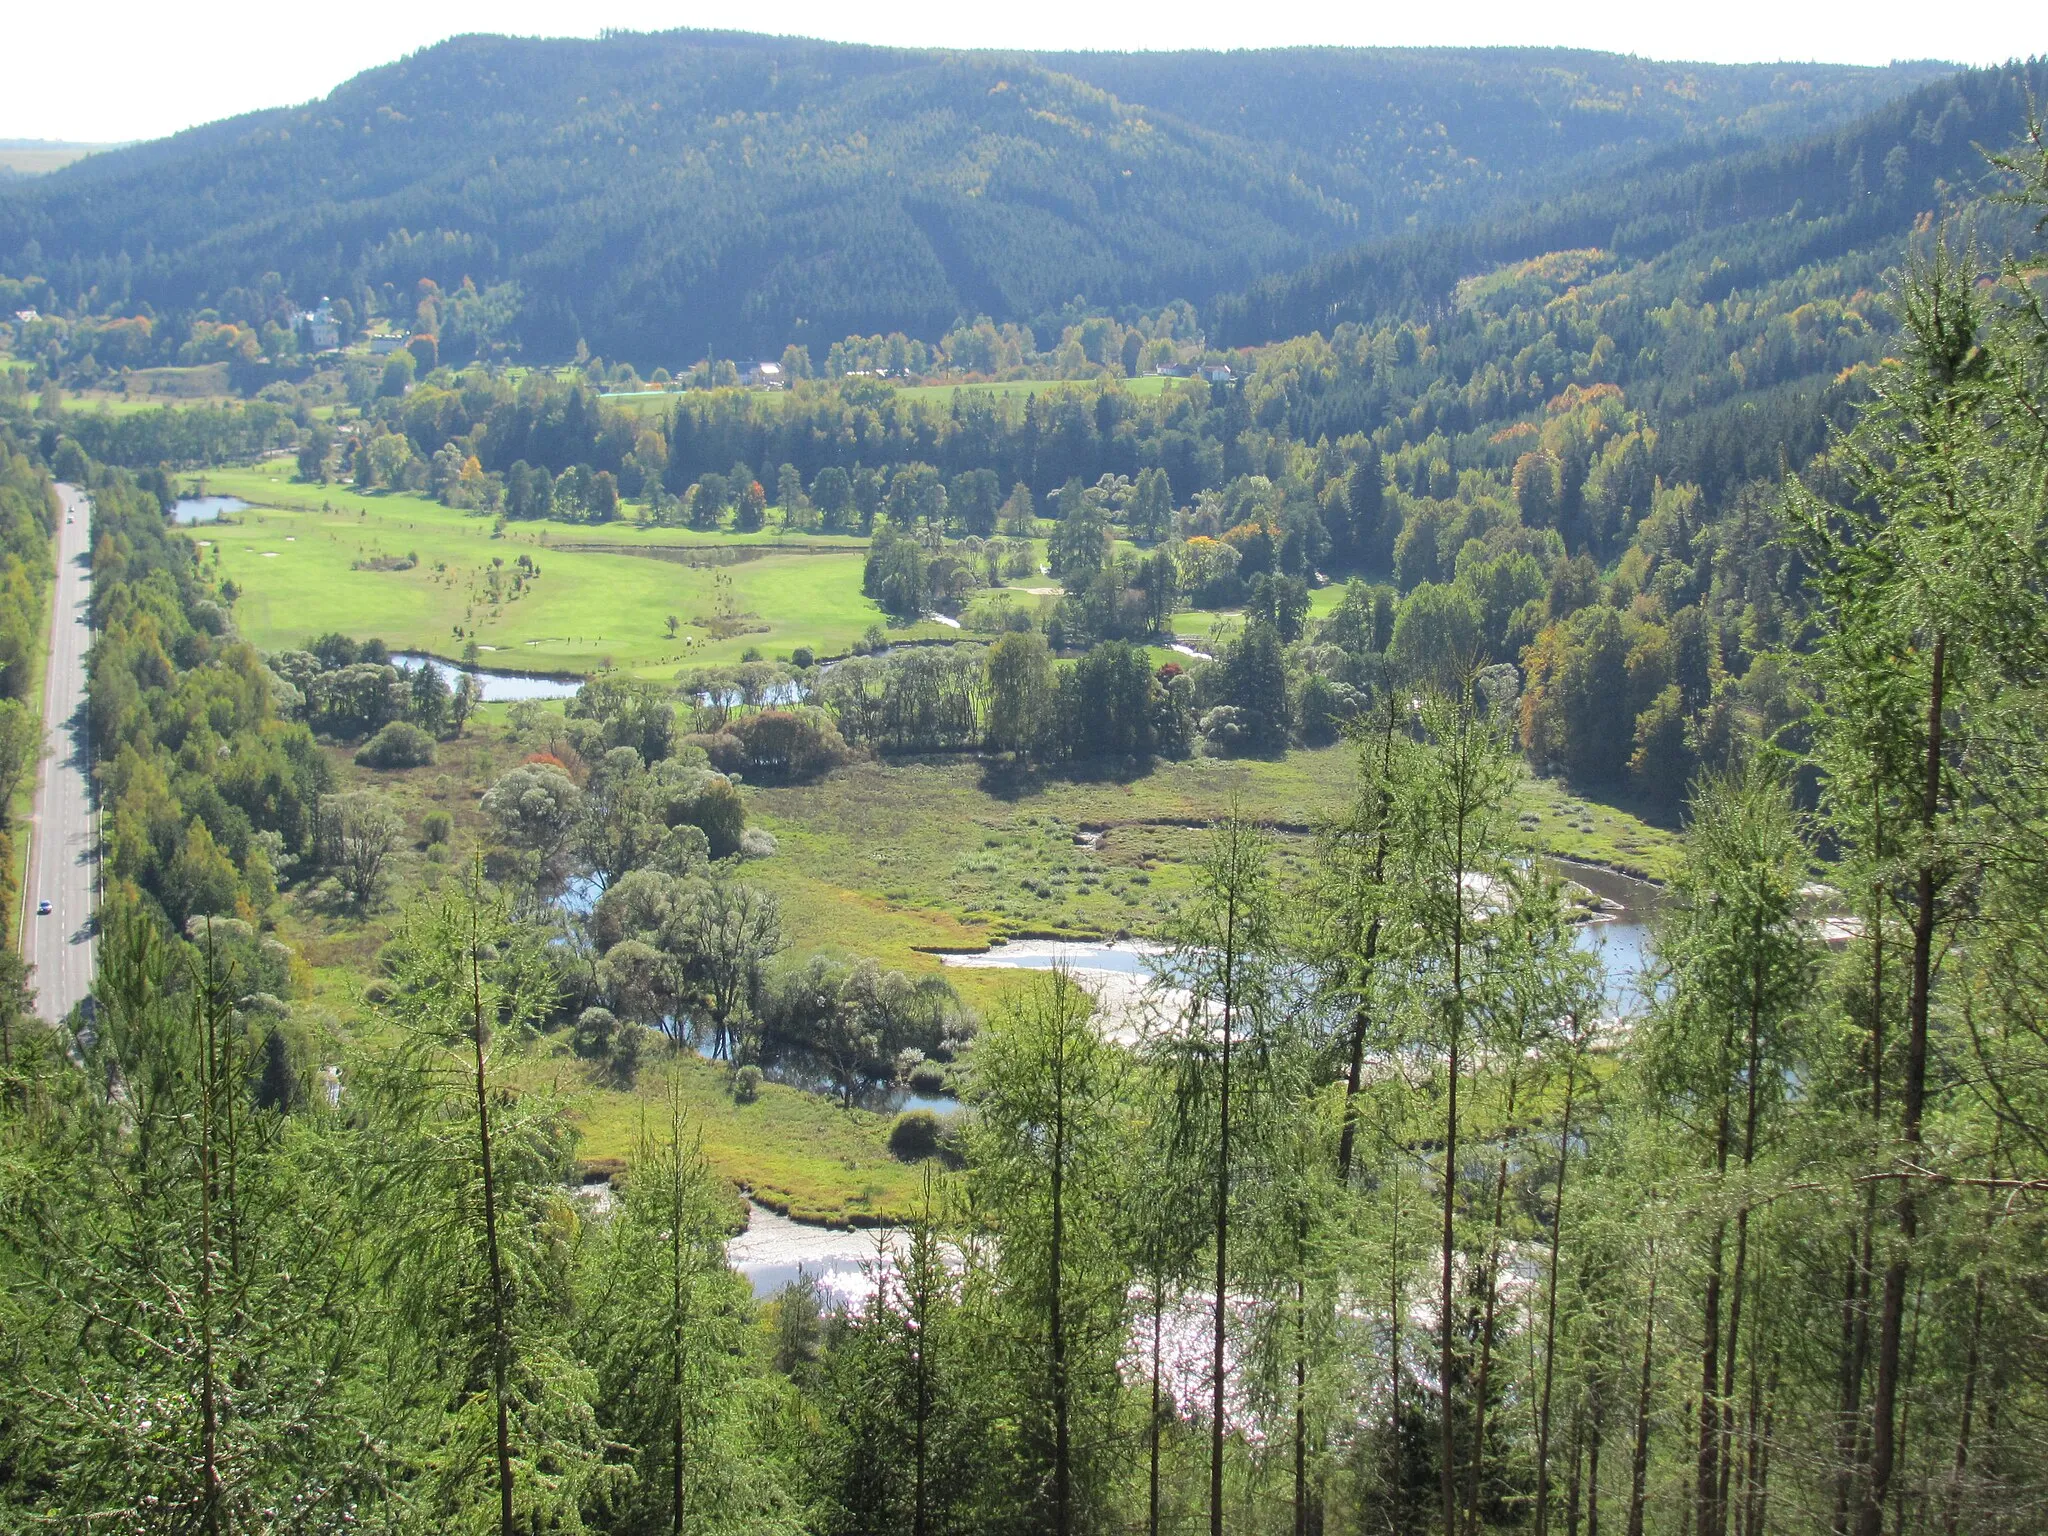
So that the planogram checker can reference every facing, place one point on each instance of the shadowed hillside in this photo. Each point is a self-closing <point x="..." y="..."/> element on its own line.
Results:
<point x="658" y="195"/>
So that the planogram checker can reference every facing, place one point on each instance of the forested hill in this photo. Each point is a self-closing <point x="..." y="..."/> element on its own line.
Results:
<point x="658" y="195"/>
<point x="1729" y="221"/>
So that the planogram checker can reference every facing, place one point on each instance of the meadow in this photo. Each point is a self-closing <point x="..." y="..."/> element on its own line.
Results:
<point x="1144" y="384"/>
<point x="310" y="559"/>
<point x="902" y="860"/>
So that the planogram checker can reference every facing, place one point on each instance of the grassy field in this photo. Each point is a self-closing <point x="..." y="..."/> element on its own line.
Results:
<point x="796" y="1152"/>
<point x="793" y="1151"/>
<point x="1144" y="384"/>
<point x="296" y="558"/>
<point x="899" y="860"/>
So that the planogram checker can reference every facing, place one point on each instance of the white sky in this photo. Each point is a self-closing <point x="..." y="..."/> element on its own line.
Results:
<point x="145" y="69"/>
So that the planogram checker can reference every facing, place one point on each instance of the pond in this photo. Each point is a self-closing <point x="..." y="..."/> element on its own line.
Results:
<point x="1119" y="971"/>
<point x="793" y="1069"/>
<point x="498" y="687"/>
<point x="188" y="510"/>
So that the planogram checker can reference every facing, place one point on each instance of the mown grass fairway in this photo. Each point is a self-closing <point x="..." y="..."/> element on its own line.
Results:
<point x="297" y="567"/>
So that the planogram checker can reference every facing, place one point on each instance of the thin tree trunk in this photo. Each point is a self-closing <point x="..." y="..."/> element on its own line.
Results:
<point x="1062" y="1471"/>
<point x="1300" y="1406"/>
<point x="1850" y="1453"/>
<point x="1900" y="1440"/>
<point x="1707" y="1461"/>
<point x="676" y="1330"/>
<point x="1152" y="1488"/>
<point x="1760" y="1485"/>
<point x="1749" y="1138"/>
<point x="1571" y="1481"/>
<point x="1449" y="1440"/>
<point x="1217" y="1362"/>
<point x="501" y="1334"/>
<point x="1885" y="1399"/>
<point x="1396" y="1502"/>
<point x="209" y="1385"/>
<point x="1359" y="1018"/>
<point x="1596" y="1432"/>
<point x="1481" y="1386"/>
<point x="1564" y="1142"/>
<point x="1952" y="1515"/>
<point x="1639" y="1466"/>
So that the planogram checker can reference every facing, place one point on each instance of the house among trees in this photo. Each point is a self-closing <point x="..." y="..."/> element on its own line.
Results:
<point x="384" y="346"/>
<point x="319" y="330"/>
<point x="764" y="375"/>
<point x="1217" y="373"/>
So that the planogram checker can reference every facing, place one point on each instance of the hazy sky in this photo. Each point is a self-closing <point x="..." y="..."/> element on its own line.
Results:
<point x="121" y="69"/>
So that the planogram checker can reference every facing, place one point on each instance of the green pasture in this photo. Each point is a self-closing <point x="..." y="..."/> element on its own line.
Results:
<point x="795" y="1152"/>
<point x="1144" y="384"/>
<point x="1196" y="624"/>
<point x="899" y="858"/>
<point x="295" y="557"/>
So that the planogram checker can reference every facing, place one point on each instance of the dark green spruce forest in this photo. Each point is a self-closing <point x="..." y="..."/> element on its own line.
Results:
<point x="1671" y="437"/>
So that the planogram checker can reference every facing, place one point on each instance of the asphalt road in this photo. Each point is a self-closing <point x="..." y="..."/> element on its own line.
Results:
<point x="63" y="864"/>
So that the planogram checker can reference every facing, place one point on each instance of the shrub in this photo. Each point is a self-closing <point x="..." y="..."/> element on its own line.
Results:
<point x="914" y="1136"/>
<point x="722" y="750"/>
<point x="802" y="658"/>
<point x="720" y="814"/>
<point x="436" y="825"/>
<point x="401" y="744"/>
<point x="746" y="1085"/>
<point x="788" y="745"/>
<point x="757" y="843"/>
<point x="1228" y="730"/>
<point x="927" y="1077"/>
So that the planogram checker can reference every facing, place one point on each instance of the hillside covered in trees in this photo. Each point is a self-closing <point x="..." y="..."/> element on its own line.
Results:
<point x="658" y="196"/>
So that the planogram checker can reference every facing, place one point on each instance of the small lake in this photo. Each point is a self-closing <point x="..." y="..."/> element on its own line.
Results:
<point x="1119" y="971"/>
<point x="188" y="510"/>
<point x="498" y="687"/>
